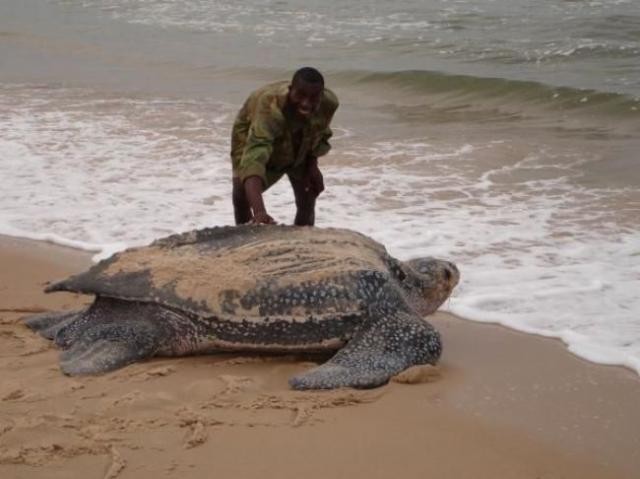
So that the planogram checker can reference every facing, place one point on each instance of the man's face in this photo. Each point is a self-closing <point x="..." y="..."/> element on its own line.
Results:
<point x="304" y="98"/>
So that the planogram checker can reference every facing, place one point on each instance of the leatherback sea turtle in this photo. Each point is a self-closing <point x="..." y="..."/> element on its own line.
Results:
<point x="257" y="288"/>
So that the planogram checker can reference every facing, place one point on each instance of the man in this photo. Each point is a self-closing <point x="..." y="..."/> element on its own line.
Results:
<point x="281" y="129"/>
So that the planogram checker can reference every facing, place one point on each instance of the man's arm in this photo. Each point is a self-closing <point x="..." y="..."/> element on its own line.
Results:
<point x="253" y="190"/>
<point x="329" y="106"/>
<point x="265" y="128"/>
<point x="323" y="146"/>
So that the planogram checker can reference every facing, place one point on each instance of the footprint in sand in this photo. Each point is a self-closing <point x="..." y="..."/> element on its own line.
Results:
<point x="24" y="345"/>
<point x="158" y="372"/>
<point x="6" y="425"/>
<point x="14" y="395"/>
<point x="117" y="464"/>
<point x="196" y="425"/>
<point x="127" y="398"/>
<point x="234" y="384"/>
<point x="197" y="435"/>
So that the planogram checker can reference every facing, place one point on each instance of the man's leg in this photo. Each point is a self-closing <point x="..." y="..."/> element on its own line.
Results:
<point x="305" y="202"/>
<point x="241" y="209"/>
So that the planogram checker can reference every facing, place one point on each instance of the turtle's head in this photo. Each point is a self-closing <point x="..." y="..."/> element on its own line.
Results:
<point x="434" y="282"/>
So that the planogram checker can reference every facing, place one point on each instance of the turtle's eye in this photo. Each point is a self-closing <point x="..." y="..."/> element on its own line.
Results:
<point x="447" y="274"/>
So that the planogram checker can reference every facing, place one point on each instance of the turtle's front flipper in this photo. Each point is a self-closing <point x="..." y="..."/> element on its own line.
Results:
<point x="48" y="324"/>
<point x="385" y="346"/>
<point x="107" y="346"/>
<point x="111" y="334"/>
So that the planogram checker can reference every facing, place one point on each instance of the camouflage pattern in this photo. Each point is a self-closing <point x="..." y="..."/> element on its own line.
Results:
<point x="263" y="140"/>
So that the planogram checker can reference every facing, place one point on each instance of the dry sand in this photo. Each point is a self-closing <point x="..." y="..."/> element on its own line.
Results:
<point x="501" y="405"/>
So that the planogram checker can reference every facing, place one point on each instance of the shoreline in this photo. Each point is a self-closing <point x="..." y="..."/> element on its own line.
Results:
<point x="84" y="258"/>
<point x="501" y="404"/>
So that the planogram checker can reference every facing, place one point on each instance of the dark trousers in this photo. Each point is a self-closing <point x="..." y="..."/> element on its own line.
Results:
<point x="305" y="202"/>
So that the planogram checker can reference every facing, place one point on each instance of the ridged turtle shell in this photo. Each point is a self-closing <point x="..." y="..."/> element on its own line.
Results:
<point x="242" y="272"/>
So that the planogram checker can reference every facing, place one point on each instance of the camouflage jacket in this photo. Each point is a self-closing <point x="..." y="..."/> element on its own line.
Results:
<point x="264" y="134"/>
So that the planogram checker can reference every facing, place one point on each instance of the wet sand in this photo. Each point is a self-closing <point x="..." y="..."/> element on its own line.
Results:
<point x="501" y="405"/>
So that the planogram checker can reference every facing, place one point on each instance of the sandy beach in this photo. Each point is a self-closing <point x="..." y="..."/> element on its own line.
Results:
<point x="500" y="404"/>
<point x="499" y="134"/>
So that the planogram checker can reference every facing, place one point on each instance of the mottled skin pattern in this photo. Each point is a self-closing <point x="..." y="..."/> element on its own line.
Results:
<point x="257" y="288"/>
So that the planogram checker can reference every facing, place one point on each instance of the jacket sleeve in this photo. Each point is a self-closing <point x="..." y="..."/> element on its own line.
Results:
<point x="323" y="146"/>
<point x="266" y="127"/>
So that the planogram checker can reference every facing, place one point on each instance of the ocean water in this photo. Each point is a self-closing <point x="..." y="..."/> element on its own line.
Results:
<point x="501" y="135"/>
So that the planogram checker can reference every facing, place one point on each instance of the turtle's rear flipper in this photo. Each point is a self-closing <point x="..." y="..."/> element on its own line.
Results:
<point x="108" y="346"/>
<point x="48" y="324"/>
<point x="383" y="348"/>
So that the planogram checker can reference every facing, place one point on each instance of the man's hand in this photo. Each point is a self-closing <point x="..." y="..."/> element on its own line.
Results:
<point x="316" y="181"/>
<point x="262" y="218"/>
<point x="253" y="190"/>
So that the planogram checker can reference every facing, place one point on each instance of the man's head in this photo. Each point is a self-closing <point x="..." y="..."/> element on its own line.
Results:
<point x="305" y="91"/>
